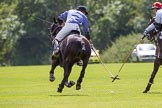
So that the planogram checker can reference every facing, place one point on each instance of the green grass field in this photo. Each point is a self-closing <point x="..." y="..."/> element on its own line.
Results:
<point x="29" y="87"/>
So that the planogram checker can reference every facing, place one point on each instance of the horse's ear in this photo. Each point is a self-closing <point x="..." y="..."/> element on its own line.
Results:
<point x="54" y="20"/>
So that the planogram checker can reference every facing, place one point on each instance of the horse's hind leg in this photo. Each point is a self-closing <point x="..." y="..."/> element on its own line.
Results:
<point x="55" y="62"/>
<point x="151" y="80"/>
<point x="70" y="83"/>
<point x="67" y="71"/>
<point x="79" y="81"/>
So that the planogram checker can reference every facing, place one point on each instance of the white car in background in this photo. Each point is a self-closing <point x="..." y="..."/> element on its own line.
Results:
<point x="144" y="52"/>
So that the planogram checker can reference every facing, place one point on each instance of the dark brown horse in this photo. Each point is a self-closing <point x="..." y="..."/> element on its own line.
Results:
<point x="153" y="36"/>
<point x="72" y="49"/>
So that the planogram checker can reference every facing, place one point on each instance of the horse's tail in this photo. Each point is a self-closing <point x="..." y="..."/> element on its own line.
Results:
<point x="81" y="46"/>
<point x="80" y="41"/>
<point x="85" y="47"/>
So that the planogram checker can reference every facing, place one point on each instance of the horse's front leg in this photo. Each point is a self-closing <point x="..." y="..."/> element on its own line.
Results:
<point x="151" y="80"/>
<point x="80" y="79"/>
<point x="55" y="62"/>
<point x="67" y="71"/>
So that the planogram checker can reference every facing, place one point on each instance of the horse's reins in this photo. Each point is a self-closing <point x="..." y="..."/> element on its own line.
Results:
<point x="44" y="20"/>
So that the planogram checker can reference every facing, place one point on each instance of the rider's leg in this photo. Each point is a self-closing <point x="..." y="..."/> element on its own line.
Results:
<point x="56" y="46"/>
<point x="62" y="34"/>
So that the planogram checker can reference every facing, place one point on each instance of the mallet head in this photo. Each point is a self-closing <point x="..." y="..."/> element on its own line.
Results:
<point x="114" y="78"/>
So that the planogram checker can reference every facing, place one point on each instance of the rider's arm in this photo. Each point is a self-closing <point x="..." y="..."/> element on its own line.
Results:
<point x="86" y="27"/>
<point x="63" y="16"/>
<point x="149" y="28"/>
<point x="157" y="24"/>
<point x="158" y="21"/>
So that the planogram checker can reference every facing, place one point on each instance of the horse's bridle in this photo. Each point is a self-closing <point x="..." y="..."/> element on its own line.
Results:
<point x="54" y="32"/>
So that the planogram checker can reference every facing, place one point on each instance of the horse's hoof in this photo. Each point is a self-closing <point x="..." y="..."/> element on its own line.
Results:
<point x="78" y="87"/>
<point x="145" y="91"/>
<point x="52" y="78"/>
<point x="71" y="83"/>
<point x="59" y="90"/>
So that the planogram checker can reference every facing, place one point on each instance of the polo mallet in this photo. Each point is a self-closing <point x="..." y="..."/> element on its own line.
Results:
<point x="112" y="76"/>
<point x="127" y="59"/>
<point x="43" y="20"/>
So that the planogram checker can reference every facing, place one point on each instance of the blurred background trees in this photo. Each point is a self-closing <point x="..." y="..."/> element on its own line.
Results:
<point x="24" y="38"/>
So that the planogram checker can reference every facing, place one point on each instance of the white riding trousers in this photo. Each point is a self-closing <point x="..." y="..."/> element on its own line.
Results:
<point x="66" y="30"/>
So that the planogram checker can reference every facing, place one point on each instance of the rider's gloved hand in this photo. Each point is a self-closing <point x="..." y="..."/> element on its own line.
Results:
<point x="91" y="44"/>
<point x="144" y="34"/>
<point x="87" y="36"/>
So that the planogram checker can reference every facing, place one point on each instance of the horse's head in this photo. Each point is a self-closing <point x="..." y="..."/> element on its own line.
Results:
<point x="55" y="28"/>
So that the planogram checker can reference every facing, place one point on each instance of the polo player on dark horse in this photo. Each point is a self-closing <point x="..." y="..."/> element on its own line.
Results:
<point x="69" y="45"/>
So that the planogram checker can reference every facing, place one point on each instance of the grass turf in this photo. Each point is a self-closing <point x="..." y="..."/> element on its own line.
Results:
<point x="29" y="87"/>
